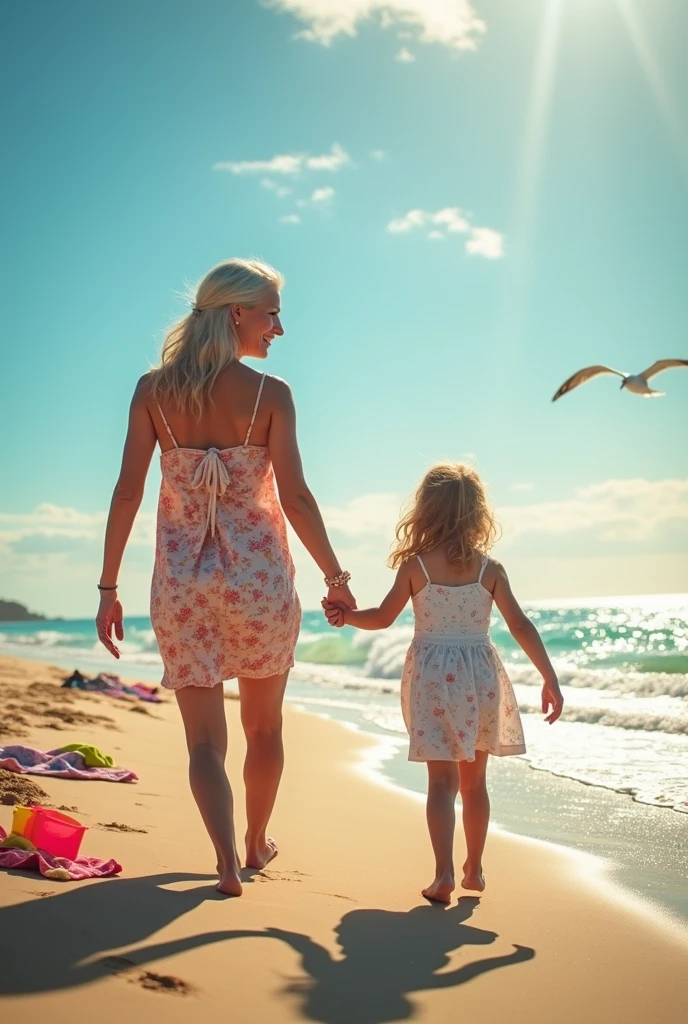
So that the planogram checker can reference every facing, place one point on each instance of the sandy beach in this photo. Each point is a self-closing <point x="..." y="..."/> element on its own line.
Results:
<point x="334" y="930"/>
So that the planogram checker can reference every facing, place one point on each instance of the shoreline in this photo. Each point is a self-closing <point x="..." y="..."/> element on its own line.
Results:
<point x="639" y="844"/>
<point x="623" y="884"/>
<point x="334" y="930"/>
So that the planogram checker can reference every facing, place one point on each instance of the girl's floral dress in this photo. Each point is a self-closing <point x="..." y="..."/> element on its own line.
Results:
<point x="223" y="601"/>
<point x="456" y="697"/>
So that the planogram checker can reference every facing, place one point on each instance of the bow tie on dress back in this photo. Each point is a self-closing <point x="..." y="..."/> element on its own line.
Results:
<point x="211" y="474"/>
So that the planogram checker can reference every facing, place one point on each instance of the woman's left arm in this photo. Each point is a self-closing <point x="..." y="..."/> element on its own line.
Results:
<point x="126" y="499"/>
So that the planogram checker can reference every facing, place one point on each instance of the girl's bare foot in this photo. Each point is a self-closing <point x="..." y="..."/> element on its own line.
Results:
<point x="230" y="882"/>
<point x="260" y="854"/>
<point x="473" y="878"/>
<point x="441" y="889"/>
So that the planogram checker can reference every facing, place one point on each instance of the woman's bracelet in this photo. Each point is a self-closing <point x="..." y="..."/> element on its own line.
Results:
<point x="338" y="581"/>
<point x="106" y="588"/>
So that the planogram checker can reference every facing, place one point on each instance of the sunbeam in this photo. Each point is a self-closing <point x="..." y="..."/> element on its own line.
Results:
<point x="531" y="162"/>
<point x="665" y="102"/>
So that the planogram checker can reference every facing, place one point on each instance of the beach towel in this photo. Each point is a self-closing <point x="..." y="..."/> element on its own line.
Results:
<point x="28" y="761"/>
<point x="59" y="869"/>
<point x="93" y="756"/>
<point x="112" y="686"/>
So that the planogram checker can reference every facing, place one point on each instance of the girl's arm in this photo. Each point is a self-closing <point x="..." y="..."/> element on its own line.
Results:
<point x="126" y="499"/>
<point x="529" y="640"/>
<point x="300" y="507"/>
<point x="375" y="618"/>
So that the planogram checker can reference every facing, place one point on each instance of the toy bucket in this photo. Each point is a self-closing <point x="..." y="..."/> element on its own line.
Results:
<point x="21" y="819"/>
<point x="56" y="833"/>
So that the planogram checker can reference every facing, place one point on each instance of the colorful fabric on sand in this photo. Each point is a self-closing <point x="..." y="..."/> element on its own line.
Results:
<point x="93" y="756"/>
<point x="71" y="765"/>
<point x="112" y="686"/>
<point x="58" y="869"/>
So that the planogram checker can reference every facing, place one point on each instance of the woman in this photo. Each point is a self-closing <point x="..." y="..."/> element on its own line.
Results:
<point x="223" y="603"/>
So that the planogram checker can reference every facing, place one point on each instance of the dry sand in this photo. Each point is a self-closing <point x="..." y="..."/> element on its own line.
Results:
<point x="334" y="930"/>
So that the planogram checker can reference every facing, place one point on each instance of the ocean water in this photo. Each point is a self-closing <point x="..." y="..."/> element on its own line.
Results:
<point x="622" y="662"/>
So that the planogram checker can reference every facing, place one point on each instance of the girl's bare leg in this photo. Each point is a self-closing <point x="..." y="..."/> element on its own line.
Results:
<point x="261" y="717"/>
<point x="203" y="713"/>
<point x="443" y="785"/>
<point x="476" y="818"/>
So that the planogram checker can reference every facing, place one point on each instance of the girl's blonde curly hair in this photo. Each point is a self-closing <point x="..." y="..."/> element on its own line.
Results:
<point x="449" y="509"/>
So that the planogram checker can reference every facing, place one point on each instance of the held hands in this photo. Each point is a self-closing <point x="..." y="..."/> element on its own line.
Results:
<point x="336" y="603"/>
<point x="552" y="698"/>
<point x="110" y="617"/>
<point x="335" y="612"/>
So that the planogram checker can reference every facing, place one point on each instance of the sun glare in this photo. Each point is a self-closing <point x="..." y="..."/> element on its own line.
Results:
<point x="669" y="112"/>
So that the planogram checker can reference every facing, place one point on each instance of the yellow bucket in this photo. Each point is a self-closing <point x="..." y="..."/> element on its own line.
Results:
<point x="20" y="819"/>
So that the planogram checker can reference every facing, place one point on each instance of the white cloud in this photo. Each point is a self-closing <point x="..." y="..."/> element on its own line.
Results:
<point x="290" y="218"/>
<point x="367" y="515"/>
<point x="332" y="161"/>
<point x="42" y="548"/>
<point x="486" y="242"/>
<point x="52" y="522"/>
<point x="412" y="219"/>
<point x="319" y="197"/>
<point x="273" y="186"/>
<point x="614" y="511"/>
<point x="452" y="23"/>
<point x="289" y="163"/>
<point x="404" y="56"/>
<point x="481" y="241"/>
<point x="452" y="218"/>
<point x="322" y="195"/>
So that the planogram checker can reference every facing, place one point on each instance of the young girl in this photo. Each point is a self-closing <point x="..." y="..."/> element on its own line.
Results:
<point x="456" y="698"/>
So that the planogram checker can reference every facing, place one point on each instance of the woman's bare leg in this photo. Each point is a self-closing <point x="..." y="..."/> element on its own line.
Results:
<point x="203" y="713"/>
<point x="261" y="717"/>
<point x="476" y="818"/>
<point x="443" y="785"/>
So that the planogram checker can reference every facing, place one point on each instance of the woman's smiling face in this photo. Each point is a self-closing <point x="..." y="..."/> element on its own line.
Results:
<point x="257" y="325"/>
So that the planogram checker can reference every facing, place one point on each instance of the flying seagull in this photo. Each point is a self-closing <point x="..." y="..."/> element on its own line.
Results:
<point x="634" y="382"/>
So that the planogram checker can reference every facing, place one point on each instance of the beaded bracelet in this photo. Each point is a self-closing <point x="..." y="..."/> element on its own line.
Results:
<point x="338" y="581"/>
<point x="106" y="588"/>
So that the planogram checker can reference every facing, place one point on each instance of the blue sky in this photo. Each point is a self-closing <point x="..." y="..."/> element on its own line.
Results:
<point x="559" y="125"/>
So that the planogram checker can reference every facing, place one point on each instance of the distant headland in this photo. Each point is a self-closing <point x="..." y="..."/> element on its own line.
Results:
<point x="12" y="611"/>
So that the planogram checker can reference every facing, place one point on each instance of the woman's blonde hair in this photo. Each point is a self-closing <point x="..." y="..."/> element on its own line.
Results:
<point x="449" y="509"/>
<point x="201" y="344"/>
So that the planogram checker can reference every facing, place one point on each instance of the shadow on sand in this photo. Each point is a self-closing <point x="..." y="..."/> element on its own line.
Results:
<point x="387" y="956"/>
<point x="62" y="940"/>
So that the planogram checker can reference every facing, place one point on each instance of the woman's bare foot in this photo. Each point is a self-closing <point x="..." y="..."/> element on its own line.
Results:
<point x="441" y="889"/>
<point x="230" y="882"/>
<point x="473" y="879"/>
<point x="260" y="854"/>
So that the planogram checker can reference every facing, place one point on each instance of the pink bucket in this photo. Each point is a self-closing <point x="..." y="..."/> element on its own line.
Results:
<point x="54" y="832"/>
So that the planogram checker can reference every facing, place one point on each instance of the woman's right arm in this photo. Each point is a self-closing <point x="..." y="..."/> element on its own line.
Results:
<point x="300" y="507"/>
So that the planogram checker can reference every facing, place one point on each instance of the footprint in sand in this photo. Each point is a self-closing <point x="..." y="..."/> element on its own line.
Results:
<point x="116" y="826"/>
<point x="270" y="875"/>
<point x="121" y="966"/>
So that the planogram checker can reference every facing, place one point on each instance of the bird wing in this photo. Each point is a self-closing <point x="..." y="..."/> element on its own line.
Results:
<point x="663" y="364"/>
<point x="582" y="376"/>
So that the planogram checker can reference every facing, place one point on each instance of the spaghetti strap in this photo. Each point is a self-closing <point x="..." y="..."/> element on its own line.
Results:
<point x="483" y="567"/>
<point x="167" y="426"/>
<point x="255" y="409"/>
<point x="422" y="565"/>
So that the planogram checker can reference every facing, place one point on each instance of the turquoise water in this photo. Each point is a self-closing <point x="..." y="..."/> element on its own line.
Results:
<point x="623" y="663"/>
